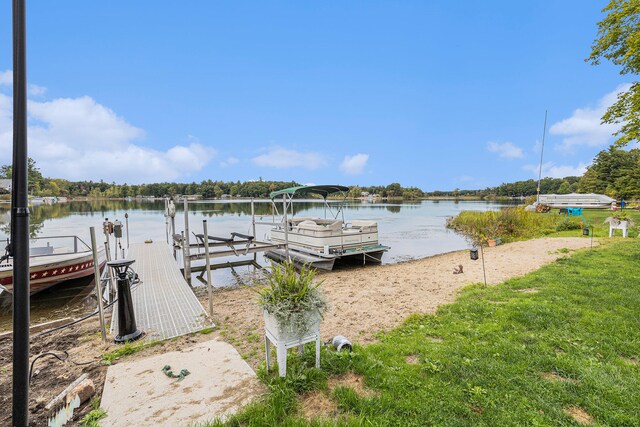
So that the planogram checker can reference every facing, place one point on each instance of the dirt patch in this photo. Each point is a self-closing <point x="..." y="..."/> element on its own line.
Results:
<point x="412" y="359"/>
<point x="555" y="377"/>
<point x="317" y="405"/>
<point x="580" y="415"/>
<point x="432" y="338"/>
<point x="528" y="291"/>
<point x="353" y="381"/>
<point x="476" y="409"/>
<point x="631" y="361"/>
<point x="83" y="345"/>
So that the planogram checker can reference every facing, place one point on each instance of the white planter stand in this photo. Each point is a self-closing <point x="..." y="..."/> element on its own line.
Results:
<point x="619" y="225"/>
<point x="288" y="338"/>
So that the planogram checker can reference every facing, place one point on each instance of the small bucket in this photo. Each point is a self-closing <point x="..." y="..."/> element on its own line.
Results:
<point x="473" y="253"/>
<point x="585" y="231"/>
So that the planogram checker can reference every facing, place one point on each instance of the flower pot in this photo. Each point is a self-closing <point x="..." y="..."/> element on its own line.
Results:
<point x="292" y="331"/>
<point x="491" y="242"/>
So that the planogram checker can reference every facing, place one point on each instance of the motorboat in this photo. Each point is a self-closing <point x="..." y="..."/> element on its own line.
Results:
<point x="320" y="242"/>
<point x="52" y="261"/>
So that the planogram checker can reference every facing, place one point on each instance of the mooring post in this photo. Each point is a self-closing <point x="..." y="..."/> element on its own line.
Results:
<point x="185" y="244"/>
<point x="96" y="277"/>
<point x="253" y="226"/>
<point x="166" y="218"/>
<point x="286" y="227"/>
<point x="208" y="266"/>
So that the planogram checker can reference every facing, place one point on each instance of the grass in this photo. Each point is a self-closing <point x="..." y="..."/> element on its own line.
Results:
<point x="532" y="351"/>
<point x="512" y="224"/>
<point x="92" y="419"/>
<point x="126" y="349"/>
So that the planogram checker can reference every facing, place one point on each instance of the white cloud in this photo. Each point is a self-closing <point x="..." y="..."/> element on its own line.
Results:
<point x="230" y="161"/>
<point x="551" y="170"/>
<point x="584" y="127"/>
<point x="505" y="149"/>
<point x="6" y="78"/>
<point x="283" y="158"/>
<point x="35" y="90"/>
<point x="354" y="165"/>
<point x="80" y="139"/>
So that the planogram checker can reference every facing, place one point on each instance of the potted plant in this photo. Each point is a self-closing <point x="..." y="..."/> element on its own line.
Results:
<point x="292" y="303"/>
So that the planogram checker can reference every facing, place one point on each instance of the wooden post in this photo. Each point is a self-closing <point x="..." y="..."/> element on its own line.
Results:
<point x="185" y="244"/>
<point x="126" y="221"/>
<point x="208" y="266"/>
<point x="96" y="277"/>
<point x="286" y="227"/>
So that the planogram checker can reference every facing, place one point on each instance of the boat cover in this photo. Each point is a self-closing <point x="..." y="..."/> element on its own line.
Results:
<point x="302" y="190"/>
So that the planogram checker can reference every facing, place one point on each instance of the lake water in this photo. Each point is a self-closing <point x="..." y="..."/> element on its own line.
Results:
<point x="412" y="229"/>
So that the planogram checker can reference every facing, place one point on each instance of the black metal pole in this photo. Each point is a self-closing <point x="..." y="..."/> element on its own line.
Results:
<point x="20" y="222"/>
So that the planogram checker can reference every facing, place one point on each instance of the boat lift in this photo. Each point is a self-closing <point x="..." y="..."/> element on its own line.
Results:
<point x="208" y="247"/>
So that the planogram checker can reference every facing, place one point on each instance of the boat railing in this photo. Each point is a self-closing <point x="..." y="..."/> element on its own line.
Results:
<point x="55" y="245"/>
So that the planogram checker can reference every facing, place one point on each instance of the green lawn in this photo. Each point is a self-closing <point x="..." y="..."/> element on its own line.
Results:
<point x="564" y="339"/>
<point x="595" y="219"/>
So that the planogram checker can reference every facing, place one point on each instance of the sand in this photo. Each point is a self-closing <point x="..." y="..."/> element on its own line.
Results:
<point x="367" y="300"/>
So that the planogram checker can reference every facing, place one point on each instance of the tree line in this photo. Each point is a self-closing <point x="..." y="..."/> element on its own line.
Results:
<point x="614" y="172"/>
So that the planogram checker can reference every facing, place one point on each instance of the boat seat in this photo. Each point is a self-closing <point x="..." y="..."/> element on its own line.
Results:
<point x="362" y="223"/>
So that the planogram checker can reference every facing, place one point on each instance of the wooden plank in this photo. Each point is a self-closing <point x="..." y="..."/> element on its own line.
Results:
<point x="164" y="304"/>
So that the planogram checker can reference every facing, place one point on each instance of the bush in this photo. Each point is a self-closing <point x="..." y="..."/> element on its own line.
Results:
<point x="568" y="224"/>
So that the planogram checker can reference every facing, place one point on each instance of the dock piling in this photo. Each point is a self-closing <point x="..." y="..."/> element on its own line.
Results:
<point x="185" y="244"/>
<point x="96" y="277"/>
<point x="208" y="266"/>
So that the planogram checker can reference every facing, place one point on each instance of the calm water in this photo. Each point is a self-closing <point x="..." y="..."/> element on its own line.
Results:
<point x="412" y="230"/>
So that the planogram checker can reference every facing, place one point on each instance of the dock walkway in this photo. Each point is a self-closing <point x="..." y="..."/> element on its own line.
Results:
<point x="164" y="304"/>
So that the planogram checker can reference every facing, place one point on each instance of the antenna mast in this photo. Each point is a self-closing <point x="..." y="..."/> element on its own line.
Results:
<point x="544" y="132"/>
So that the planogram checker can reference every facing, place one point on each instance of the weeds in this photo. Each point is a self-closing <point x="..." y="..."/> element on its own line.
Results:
<point x="126" y="350"/>
<point x="94" y="416"/>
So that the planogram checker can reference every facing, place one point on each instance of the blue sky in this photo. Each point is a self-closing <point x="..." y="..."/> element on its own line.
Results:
<point x="433" y="94"/>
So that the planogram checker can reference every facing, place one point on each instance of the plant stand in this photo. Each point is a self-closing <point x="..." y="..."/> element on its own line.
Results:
<point x="283" y="346"/>
<point x="619" y="225"/>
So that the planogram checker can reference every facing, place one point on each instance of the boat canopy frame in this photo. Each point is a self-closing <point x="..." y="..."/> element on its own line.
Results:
<point x="324" y="191"/>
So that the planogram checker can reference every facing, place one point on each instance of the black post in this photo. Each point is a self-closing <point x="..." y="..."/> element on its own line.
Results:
<point x="20" y="222"/>
<point x="127" y="329"/>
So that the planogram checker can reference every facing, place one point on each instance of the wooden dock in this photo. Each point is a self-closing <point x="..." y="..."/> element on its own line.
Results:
<point x="164" y="304"/>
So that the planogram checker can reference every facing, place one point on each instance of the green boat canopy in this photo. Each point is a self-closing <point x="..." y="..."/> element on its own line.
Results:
<point x="322" y="190"/>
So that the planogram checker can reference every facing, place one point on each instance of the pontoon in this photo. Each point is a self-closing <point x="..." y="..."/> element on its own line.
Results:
<point x="319" y="242"/>
<point x="576" y="200"/>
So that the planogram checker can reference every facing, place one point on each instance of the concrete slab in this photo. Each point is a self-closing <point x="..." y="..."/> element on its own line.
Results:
<point x="137" y="393"/>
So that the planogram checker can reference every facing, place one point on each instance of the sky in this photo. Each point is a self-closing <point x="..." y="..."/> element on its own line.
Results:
<point x="432" y="94"/>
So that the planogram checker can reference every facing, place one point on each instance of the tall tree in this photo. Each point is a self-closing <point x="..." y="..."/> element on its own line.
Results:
<point x="619" y="42"/>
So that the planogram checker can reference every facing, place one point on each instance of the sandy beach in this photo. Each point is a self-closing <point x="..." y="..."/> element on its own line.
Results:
<point x="367" y="300"/>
